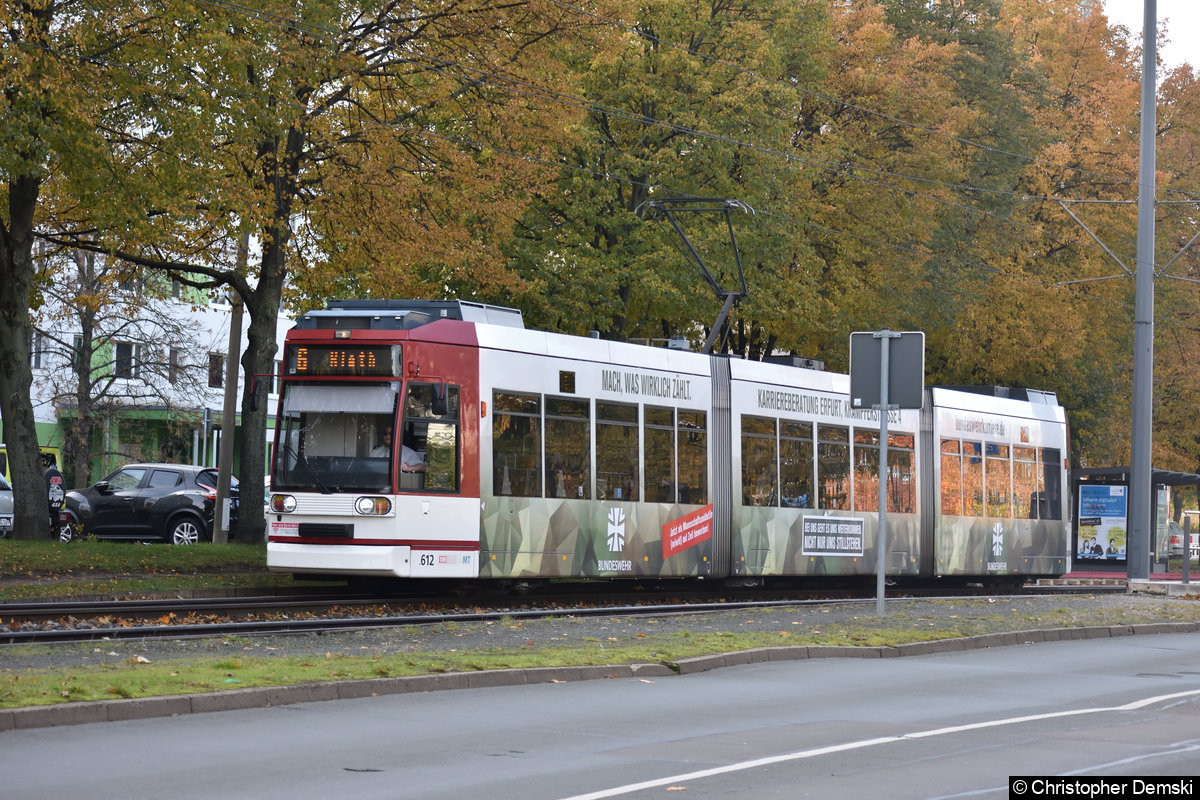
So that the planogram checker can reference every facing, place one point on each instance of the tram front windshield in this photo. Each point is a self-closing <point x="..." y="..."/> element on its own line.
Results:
<point x="335" y="438"/>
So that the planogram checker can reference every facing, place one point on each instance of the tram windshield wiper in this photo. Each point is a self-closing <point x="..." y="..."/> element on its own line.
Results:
<point x="299" y="459"/>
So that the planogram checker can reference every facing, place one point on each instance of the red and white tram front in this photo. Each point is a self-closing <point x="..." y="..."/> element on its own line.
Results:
<point x="374" y="427"/>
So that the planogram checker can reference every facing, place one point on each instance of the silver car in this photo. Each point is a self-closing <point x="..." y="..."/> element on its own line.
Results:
<point x="6" y="508"/>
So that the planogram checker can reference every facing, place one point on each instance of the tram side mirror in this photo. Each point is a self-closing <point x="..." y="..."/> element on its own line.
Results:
<point x="439" y="400"/>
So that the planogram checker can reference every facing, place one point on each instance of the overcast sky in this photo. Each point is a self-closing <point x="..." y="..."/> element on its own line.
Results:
<point x="1183" y="26"/>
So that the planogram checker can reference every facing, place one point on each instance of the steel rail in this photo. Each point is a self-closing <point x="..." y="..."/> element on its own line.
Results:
<point x="286" y="626"/>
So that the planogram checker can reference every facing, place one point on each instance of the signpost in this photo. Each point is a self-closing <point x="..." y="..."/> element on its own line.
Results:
<point x="887" y="370"/>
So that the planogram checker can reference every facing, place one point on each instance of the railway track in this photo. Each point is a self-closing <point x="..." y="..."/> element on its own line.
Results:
<point x="30" y="623"/>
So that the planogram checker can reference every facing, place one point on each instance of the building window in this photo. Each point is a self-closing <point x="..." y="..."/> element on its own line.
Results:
<point x="77" y="353"/>
<point x="216" y="370"/>
<point x="37" y="349"/>
<point x="125" y="361"/>
<point x="174" y="366"/>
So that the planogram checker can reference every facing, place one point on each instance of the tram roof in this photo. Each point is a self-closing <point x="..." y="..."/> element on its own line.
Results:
<point x="405" y="314"/>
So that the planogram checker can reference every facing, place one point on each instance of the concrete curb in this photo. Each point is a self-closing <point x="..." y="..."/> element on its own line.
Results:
<point x="267" y="696"/>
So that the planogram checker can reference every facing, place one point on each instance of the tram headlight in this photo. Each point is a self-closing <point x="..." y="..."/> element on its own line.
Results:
<point x="283" y="503"/>
<point x="373" y="506"/>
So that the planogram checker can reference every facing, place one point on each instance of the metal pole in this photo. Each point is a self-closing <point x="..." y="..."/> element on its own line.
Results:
<point x="1187" y="544"/>
<point x="229" y="409"/>
<point x="228" y="421"/>
<point x="885" y="337"/>
<point x="1143" y="331"/>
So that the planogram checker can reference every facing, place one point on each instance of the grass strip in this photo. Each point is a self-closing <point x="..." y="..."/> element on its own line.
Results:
<point x="43" y="570"/>
<point x="136" y="676"/>
<point x="22" y="558"/>
<point x="246" y="662"/>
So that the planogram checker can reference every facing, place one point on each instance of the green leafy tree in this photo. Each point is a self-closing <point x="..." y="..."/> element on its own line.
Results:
<point x="680" y="100"/>
<point x="249" y="114"/>
<point x="55" y="100"/>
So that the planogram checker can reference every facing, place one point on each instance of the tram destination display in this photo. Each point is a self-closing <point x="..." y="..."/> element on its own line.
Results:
<point x="343" y="360"/>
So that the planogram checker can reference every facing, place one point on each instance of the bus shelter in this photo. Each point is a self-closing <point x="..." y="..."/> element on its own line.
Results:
<point x="1100" y="503"/>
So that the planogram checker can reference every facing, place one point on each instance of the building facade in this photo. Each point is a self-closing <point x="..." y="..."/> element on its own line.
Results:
<point x="132" y="368"/>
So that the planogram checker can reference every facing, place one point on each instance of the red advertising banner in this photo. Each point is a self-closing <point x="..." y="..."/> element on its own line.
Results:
<point x="687" y="531"/>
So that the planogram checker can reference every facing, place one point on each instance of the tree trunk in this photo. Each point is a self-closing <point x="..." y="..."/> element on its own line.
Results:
<point x="258" y="363"/>
<point x="79" y="442"/>
<point x="31" y="519"/>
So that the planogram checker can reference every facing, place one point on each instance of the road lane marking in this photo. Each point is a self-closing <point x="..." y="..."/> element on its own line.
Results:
<point x="799" y="755"/>
<point x="1088" y="770"/>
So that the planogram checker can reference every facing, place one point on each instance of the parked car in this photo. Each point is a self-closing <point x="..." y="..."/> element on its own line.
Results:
<point x="6" y="508"/>
<point x="148" y="502"/>
<point x="1174" y="538"/>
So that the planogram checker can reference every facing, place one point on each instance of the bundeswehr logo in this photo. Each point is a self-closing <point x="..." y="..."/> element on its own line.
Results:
<point x="996" y="565"/>
<point x="616" y="530"/>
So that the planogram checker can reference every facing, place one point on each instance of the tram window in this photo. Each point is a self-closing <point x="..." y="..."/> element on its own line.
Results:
<point x="568" y="448"/>
<point x="420" y="401"/>
<point x="833" y="467"/>
<point x="326" y="435"/>
<point x="759" y="459"/>
<point x="796" y="464"/>
<point x="617" y="476"/>
<point x="866" y="470"/>
<point x="902" y="489"/>
<point x="1025" y="482"/>
<point x="441" y="455"/>
<point x="972" y="463"/>
<point x="951" y="487"/>
<point x="999" y="481"/>
<point x="1051" y="499"/>
<point x="658" y="431"/>
<point x="692" y="438"/>
<point x="432" y="436"/>
<point x="516" y="444"/>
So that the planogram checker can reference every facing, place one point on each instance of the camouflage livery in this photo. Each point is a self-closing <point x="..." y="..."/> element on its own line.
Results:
<point x="990" y="546"/>
<point x="523" y="537"/>
<point x="1033" y="538"/>
<point x="768" y="541"/>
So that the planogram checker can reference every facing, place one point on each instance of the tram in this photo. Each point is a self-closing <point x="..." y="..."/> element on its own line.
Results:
<point x="443" y="439"/>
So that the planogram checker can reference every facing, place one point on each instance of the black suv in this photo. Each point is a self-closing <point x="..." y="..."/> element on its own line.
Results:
<point x="139" y="502"/>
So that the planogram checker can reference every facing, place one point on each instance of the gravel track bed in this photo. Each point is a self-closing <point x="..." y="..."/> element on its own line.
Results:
<point x="962" y="616"/>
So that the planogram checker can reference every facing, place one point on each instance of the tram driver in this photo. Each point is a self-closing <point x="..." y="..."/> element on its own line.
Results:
<point x="410" y="459"/>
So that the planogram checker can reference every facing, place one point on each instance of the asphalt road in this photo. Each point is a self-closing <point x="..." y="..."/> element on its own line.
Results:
<point x="953" y="724"/>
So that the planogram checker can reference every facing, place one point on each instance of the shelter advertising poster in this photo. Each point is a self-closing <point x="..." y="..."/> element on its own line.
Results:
<point x="1102" y="529"/>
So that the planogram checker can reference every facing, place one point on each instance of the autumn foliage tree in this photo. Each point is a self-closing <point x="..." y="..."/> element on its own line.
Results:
<point x="257" y="126"/>
<point x="55" y="100"/>
<point x="945" y="166"/>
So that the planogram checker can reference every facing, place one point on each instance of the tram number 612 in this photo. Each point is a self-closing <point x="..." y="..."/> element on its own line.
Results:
<point x="426" y="560"/>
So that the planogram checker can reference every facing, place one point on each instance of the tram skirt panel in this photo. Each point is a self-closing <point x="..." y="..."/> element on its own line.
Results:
<point x="562" y="538"/>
